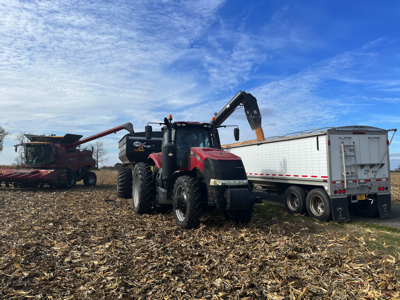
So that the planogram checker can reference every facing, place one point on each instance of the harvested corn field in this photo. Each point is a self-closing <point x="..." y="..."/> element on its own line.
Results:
<point x="87" y="243"/>
<point x="395" y="185"/>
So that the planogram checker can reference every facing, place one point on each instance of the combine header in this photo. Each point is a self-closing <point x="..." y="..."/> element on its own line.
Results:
<point x="55" y="161"/>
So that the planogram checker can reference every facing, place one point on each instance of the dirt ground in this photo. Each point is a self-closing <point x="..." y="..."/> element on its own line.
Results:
<point x="87" y="243"/>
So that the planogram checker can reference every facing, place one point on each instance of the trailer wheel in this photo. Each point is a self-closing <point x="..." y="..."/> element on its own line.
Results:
<point x="186" y="202"/>
<point x="318" y="205"/>
<point x="142" y="188"/>
<point x="71" y="180"/>
<point x="239" y="216"/>
<point x="295" y="200"/>
<point x="89" y="178"/>
<point x="124" y="185"/>
<point x="365" y="209"/>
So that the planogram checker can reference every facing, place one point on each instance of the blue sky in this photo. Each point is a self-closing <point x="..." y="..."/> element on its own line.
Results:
<point x="83" y="67"/>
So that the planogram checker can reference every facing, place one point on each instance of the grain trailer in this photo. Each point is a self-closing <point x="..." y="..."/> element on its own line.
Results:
<point x="324" y="172"/>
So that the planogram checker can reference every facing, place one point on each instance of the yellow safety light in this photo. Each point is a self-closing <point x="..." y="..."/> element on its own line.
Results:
<point x="213" y="119"/>
<point x="170" y="117"/>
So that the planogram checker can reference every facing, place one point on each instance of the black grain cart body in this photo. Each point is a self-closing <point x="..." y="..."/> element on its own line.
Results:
<point x="134" y="147"/>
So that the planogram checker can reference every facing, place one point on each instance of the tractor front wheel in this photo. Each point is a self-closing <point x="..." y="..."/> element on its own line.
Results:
<point x="142" y="188"/>
<point x="186" y="202"/>
<point x="89" y="178"/>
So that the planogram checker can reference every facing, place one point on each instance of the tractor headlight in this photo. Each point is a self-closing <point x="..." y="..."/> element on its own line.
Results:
<point x="228" y="182"/>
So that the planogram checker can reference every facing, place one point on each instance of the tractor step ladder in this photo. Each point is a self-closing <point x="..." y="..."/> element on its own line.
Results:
<point x="346" y="149"/>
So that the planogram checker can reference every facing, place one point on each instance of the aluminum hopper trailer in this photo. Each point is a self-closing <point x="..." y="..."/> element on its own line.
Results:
<point x="324" y="172"/>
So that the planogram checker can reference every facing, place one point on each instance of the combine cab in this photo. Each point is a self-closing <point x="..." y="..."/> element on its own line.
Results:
<point x="55" y="161"/>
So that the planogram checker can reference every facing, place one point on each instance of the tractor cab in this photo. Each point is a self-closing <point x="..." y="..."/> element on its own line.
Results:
<point x="186" y="135"/>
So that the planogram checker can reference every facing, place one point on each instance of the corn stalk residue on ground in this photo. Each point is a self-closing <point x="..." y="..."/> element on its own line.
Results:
<point x="87" y="243"/>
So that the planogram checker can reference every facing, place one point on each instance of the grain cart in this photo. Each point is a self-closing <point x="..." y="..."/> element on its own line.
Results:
<point x="324" y="172"/>
<point x="55" y="161"/>
<point x="191" y="171"/>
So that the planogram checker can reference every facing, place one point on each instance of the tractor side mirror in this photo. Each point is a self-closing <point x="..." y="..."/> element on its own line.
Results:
<point x="236" y="133"/>
<point x="148" y="130"/>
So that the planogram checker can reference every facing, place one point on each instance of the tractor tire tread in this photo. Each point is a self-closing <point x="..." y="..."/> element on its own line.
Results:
<point x="124" y="185"/>
<point x="192" y="186"/>
<point x="147" y="186"/>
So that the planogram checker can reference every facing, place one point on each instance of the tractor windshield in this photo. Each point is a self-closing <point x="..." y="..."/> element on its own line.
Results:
<point x="186" y="138"/>
<point x="37" y="155"/>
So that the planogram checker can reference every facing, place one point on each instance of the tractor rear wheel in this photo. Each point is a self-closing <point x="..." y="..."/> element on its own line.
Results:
<point x="142" y="188"/>
<point x="239" y="216"/>
<point x="186" y="202"/>
<point x="89" y="178"/>
<point x="157" y="207"/>
<point x="124" y="186"/>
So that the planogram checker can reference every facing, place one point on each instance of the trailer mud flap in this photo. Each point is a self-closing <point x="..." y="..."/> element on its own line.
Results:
<point x="340" y="209"/>
<point x="384" y="206"/>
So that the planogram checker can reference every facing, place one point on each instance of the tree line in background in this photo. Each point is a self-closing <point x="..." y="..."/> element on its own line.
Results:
<point x="3" y="134"/>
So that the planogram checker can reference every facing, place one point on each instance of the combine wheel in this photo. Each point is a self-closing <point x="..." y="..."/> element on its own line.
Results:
<point x="89" y="178"/>
<point x="318" y="205"/>
<point x="124" y="185"/>
<point x="187" y="202"/>
<point x="142" y="188"/>
<point x="71" y="180"/>
<point x="239" y="216"/>
<point x="295" y="200"/>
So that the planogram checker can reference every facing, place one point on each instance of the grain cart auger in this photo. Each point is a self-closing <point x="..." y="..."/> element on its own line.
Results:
<point x="187" y="169"/>
<point x="55" y="161"/>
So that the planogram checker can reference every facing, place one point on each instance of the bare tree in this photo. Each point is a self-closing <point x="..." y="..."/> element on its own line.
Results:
<point x="3" y="134"/>
<point x="21" y="138"/>
<point x="99" y="153"/>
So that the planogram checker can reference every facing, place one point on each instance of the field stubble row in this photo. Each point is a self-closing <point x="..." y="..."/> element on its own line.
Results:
<point x="87" y="243"/>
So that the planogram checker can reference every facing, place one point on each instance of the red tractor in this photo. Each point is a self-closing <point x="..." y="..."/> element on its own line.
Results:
<point x="191" y="171"/>
<point x="55" y="161"/>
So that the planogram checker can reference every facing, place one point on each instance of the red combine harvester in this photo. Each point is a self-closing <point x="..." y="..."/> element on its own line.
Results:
<point x="55" y="161"/>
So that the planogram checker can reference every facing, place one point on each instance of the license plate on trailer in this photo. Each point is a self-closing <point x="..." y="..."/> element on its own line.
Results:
<point x="360" y="197"/>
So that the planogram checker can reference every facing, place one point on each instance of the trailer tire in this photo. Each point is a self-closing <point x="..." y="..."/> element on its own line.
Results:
<point x="318" y="205"/>
<point x="186" y="202"/>
<point x="124" y="185"/>
<point x="366" y="209"/>
<point x="89" y="178"/>
<point x="239" y="216"/>
<point x="142" y="188"/>
<point x="295" y="200"/>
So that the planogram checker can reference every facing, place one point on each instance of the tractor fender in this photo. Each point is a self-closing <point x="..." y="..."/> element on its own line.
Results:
<point x="156" y="158"/>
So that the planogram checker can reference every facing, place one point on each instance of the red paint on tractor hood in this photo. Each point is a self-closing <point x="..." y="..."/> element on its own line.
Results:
<point x="215" y="154"/>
